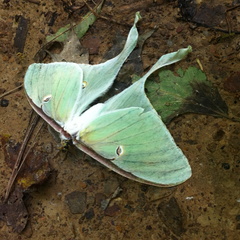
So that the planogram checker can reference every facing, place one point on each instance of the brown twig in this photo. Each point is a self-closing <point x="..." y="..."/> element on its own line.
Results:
<point x="34" y="1"/>
<point x="226" y="17"/>
<point x="20" y="160"/>
<point x="114" y="195"/>
<point x="13" y="90"/>
<point x="103" y="17"/>
<point x="31" y="146"/>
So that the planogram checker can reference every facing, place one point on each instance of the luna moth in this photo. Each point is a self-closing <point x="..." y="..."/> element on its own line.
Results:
<point x="124" y="133"/>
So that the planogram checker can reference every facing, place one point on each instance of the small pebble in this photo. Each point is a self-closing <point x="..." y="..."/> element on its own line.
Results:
<point x="226" y="166"/>
<point x="76" y="201"/>
<point x="112" y="210"/>
<point x="4" y="102"/>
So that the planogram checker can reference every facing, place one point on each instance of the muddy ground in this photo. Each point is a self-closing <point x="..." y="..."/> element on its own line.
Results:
<point x="207" y="206"/>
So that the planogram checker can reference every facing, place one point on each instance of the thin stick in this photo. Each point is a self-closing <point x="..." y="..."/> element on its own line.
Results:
<point x="34" y="1"/>
<point x="102" y="17"/>
<point x="13" y="90"/>
<point x="114" y="195"/>
<point x="226" y="17"/>
<point x="30" y="148"/>
<point x="19" y="158"/>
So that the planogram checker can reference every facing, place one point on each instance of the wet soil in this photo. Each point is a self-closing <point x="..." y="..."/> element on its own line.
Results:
<point x="70" y="204"/>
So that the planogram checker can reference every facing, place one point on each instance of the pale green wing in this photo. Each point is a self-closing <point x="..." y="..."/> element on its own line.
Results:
<point x="134" y="96"/>
<point x="54" y="88"/>
<point x="64" y="90"/>
<point x="99" y="78"/>
<point x="132" y="138"/>
<point x="138" y="143"/>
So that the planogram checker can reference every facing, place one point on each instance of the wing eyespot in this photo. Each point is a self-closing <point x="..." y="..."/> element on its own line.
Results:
<point x="84" y="84"/>
<point x="119" y="150"/>
<point x="47" y="98"/>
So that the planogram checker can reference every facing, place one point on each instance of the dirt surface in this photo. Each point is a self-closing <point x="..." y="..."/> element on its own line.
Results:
<point x="70" y="204"/>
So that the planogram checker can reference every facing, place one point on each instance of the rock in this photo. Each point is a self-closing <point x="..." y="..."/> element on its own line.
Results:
<point x="76" y="201"/>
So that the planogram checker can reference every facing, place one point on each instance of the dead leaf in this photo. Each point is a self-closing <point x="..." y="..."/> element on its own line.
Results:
<point x="65" y="33"/>
<point x="36" y="168"/>
<point x="213" y="14"/>
<point x="14" y="212"/>
<point x="72" y="51"/>
<point x="187" y="92"/>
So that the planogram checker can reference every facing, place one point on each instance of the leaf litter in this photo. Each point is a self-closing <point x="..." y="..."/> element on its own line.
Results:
<point x="65" y="33"/>
<point x="174" y="95"/>
<point x="187" y="92"/>
<point x="35" y="170"/>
